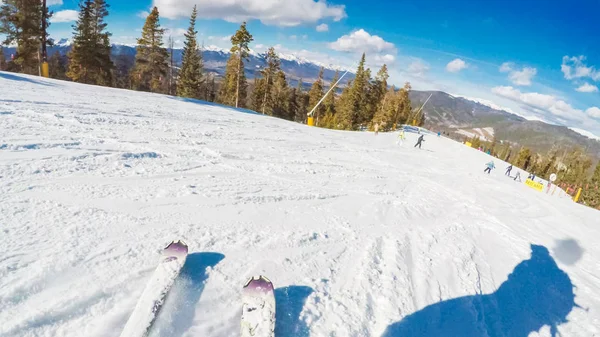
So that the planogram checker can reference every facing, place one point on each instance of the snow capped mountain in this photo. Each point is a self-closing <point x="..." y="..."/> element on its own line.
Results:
<point x="487" y="103"/>
<point x="585" y="133"/>
<point x="290" y="57"/>
<point x="63" y="43"/>
<point x="216" y="49"/>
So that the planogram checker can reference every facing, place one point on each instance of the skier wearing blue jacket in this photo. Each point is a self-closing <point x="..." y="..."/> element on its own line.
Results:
<point x="490" y="166"/>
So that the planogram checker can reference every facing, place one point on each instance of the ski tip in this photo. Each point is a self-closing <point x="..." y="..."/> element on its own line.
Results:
<point x="177" y="246"/>
<point x="260" y="283"/>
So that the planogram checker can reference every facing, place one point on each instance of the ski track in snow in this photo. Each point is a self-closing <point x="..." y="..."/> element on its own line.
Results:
<point x="95" y="181"/>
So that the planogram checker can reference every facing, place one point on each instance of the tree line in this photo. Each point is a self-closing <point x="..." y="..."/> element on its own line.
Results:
<point x="362" y="103"/>
<point x="573" y="166"/>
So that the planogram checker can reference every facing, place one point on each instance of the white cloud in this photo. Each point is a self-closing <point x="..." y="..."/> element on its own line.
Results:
<point x="506" y="67"/>
<point x="322" y="27"/>
<point x="586" y="87"/>
<point x="574" y="67"/>
<point x="175" y="32"/>
<point x="541" y="103"/>
<point x="377" y="50"/>
<point x="381" y="59"/>
<point x="593" y="112"/>
<point x="418" y="68"/>
<point x="456" y="65"/>
<point x="52" y="2"/>
<point x="361" y="41"/>
<point x="143" y="14"/>
<point x="65" y="16"/>
<point x="518" y="77"/>
<point x="522" y="77"/>
<point x="293" y="37"/>
<point x="269" y="12"/>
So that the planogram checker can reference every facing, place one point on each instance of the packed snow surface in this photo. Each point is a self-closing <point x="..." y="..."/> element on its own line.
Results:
<point x="361" y="235"/>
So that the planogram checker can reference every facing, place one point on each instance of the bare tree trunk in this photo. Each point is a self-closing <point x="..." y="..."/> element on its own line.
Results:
<point x="237" y="89"/>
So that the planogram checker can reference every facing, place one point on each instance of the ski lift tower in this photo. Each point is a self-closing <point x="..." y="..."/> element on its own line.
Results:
<point x="414" y="121"/>
<point x="311" y="120"/>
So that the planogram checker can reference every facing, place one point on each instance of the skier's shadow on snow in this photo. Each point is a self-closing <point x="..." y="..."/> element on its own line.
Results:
<point x="536" y="294"/>
<point x="177" y="314"/>
<point x="289" y="302"/>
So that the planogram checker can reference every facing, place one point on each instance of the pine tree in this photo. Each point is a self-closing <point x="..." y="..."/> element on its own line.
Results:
<point x="406" y="114"/>
<point x="377" y="99"/>
<point x="596" y="176"/>
<point x="546" y="166"/>
<point x="367" y="103"/>
<point x="353" y="100"/>
<point x="83" y="45"/>
<point x="90" y="58"/>
<point x="102" y="53"/>
<point x="330" y="99"/>
<point x="258" y="96"/>
<point x="475" y="142"/>
<point x="58" y="66"/>
<point x="292" y="103"/>
<point x="2" y="60"/>
<point x="233" y="91"/>
<point x="591" y="194"/>
<point x="280" y="93"/>
<point x="21" y="23"/>
<point x="190" y="75"/>
<point x="211" y="91"/>
<point x="314" y="96"/>
<point x="123" y="65"/>
<point x="577" y="166"/>
<point x="151" y="67"/>
<point x="172" y="82"/>
<point x="523" y="159"/>
<point x="229" y="84"/>
<point x="302" y="103"/>
<point x="389" y="110"/>
<point x="272" y="69"/>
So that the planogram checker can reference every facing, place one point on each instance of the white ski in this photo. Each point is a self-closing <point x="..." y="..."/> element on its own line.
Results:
<point x="152" y="299"/>
<point x="258" y="308"/>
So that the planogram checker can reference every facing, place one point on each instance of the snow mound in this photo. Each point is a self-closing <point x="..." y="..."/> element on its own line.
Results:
<point x="361" y="235"/>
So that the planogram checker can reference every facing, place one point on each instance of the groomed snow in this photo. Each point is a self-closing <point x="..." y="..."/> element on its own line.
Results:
<point x="358" y="234"/>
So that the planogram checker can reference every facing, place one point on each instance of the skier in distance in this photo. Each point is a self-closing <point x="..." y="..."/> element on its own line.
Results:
<point x="419" y="141"/>
<point x="508" y="169"/>
<point x="401" y="137"/>
<point x="490" y="166"/>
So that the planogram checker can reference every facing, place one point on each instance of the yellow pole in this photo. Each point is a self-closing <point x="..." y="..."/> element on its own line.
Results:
<point x="45" y="69"/>
<point x="310" y="121"/>
<point x="576" y="199"/>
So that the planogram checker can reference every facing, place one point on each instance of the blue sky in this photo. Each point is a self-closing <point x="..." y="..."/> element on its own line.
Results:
<point x="535" y="58"/>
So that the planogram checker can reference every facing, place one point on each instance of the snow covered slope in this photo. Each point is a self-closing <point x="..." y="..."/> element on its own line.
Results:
<point x="361" y="236"/>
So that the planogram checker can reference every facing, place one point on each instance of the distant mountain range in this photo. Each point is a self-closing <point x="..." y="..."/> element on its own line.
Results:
<point x="465" y="118"/>
<point x="461" y="116"/>
<point x="215" y="60"/>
